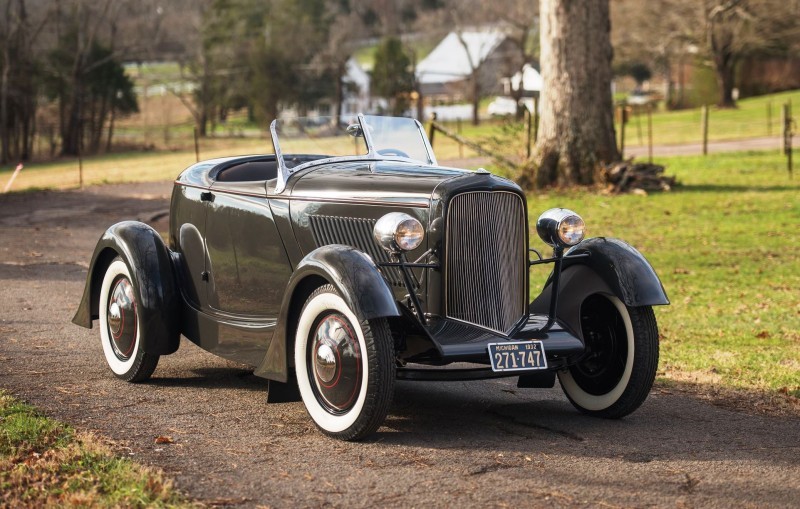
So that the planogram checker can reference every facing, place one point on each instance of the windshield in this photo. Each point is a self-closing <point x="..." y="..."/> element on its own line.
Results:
<point x="304" y="139"/>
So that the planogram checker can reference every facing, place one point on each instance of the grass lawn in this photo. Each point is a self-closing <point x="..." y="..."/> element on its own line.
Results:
<point x="127" y="166"/>
<point x="44" y="463"/>
<point x="749" y="119"/>
<point x="725" y="246"/>
<point x="753" y="117"/>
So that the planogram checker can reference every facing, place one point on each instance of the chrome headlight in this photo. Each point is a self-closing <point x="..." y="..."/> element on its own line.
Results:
<point x="560" y="227"/>
<point x="397" y="232"/>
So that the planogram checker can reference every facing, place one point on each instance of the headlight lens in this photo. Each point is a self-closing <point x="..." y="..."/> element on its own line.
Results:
<point x="397" y="232"/>
<point x="561" y="227"/>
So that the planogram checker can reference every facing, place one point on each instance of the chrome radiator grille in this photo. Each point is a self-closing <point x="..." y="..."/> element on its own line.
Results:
<point x="486" y="255"/>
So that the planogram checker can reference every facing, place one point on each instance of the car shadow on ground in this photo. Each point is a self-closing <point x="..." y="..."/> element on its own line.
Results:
<point x="214" y="378"/>
<point x="500" y="417"/>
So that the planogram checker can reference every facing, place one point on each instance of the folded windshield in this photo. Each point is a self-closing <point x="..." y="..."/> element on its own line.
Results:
<point x="301" y="140"/>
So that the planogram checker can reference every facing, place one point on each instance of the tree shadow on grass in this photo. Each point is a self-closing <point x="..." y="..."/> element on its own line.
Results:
<point x="732" y="188"/>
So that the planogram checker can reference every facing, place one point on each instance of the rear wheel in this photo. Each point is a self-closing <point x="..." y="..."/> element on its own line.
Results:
<point x="120" y="331"/>
<point x="345" y="369"/>
<point x="617" y="372"/>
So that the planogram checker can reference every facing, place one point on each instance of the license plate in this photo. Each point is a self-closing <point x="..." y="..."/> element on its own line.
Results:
<point x="517" y="356"/>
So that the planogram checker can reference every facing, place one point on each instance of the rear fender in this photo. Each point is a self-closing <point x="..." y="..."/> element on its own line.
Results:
<point x="356" y="278"/>
<point x="149" y="262"/>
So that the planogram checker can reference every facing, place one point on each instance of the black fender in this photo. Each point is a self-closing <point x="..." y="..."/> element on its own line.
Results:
<point x="611" y="267"/>
<point x="149" y="263"/>
<point x="356" y="278"/>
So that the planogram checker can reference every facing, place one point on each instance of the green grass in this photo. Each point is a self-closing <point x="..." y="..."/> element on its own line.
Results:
<point x="47" y="463"/>
<point x="725" y="246"/>
<point x="749" y="119"/>
<point x="136" y="166"/>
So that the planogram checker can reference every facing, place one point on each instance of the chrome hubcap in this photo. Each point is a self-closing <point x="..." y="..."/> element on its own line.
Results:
<point x="114" y="318"/>
<point x="121" y="318"/>
<point x="335" y="361"/>
<point x="325" y="363"/>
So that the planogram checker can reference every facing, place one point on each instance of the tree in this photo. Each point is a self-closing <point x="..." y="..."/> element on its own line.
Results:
<point x="20" y="79"/>
<point x="664" y="33"/>
<point x="392" y="77"/>
<point x="577" y="128"/>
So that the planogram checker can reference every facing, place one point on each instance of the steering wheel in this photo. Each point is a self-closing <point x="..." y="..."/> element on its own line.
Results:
<point x="392" y="152"/>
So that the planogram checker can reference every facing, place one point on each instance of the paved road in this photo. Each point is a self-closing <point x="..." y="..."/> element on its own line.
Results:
<point x="479" y="444"/>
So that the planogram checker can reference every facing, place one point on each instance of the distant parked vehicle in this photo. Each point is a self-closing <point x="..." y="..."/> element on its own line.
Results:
<point x="507" y="106"/>
<point x="643" y="97"/>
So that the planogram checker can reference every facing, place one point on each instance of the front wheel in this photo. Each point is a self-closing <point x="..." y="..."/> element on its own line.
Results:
<point x="345" y="368"/>
<point x="120" y="330"/>
<point x="617" y="371"/>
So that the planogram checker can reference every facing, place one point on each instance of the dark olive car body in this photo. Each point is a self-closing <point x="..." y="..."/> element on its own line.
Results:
<point x="252" y="251"/>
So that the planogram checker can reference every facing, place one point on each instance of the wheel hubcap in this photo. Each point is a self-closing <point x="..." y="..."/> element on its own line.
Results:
<point x="121" y="318"/>
<point x="605" y="334"/>
<point x="325" y="363"/>
<point x="335" y="361"/>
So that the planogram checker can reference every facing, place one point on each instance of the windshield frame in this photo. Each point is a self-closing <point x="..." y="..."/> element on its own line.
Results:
<point x="284" y="172"/>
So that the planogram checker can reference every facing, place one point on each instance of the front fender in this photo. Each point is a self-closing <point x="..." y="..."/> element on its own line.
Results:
<point x="624" y="269"/>
<point x="356" y="278"/>
<point x="612" y="267"/>
<point x="149" y="263"/>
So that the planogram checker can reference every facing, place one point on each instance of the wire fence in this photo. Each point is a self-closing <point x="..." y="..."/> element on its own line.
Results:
<point x="162" y="151"/>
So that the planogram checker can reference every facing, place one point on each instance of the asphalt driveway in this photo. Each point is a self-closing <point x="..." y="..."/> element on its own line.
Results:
<point x="475" y="444"/>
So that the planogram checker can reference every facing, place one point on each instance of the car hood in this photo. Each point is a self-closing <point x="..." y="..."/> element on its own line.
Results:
<point x="388" y="182"/>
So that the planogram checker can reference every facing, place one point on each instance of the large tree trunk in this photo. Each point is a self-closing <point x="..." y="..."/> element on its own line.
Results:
<point x="576" y="134"/>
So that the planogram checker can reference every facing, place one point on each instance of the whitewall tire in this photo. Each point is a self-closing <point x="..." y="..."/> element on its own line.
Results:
<point x="120" y="331"/>
<point x="345" y="368"/>
<point x="617" y="372"/>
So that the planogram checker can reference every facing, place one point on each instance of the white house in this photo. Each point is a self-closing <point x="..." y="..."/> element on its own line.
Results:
<point x="446" y="70"/>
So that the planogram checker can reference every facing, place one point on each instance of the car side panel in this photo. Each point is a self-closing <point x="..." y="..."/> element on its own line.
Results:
<point x="187" y="225"/>
<point x="249" y="268"/>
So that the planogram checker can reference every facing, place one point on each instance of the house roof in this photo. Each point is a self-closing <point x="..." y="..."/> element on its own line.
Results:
<point x="450" y="62"/>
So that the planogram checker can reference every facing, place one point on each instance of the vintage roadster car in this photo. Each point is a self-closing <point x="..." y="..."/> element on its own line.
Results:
<point x="350" y="258"/>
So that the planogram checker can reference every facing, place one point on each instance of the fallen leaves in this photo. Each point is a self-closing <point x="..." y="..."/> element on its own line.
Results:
<point x="161" y="439"/>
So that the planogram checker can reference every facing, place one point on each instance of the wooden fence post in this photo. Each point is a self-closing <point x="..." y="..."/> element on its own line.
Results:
<point x="432" y="128"/>
<point x="650" y="132"/>
<point x="704" y="127"/>
<point x="460" y="146"/>
<point x="80" y="163"/>
<point x="788" y="124"/>
<point x="769" y="118"/>
<point x="528" y="133"/>
<point x="535" y="119"/>
<point x="196" y="145"/>
<point x="622" y="119"/>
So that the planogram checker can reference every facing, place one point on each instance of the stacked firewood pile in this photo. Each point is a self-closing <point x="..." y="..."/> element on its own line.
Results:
<point x="637" y="178"/>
